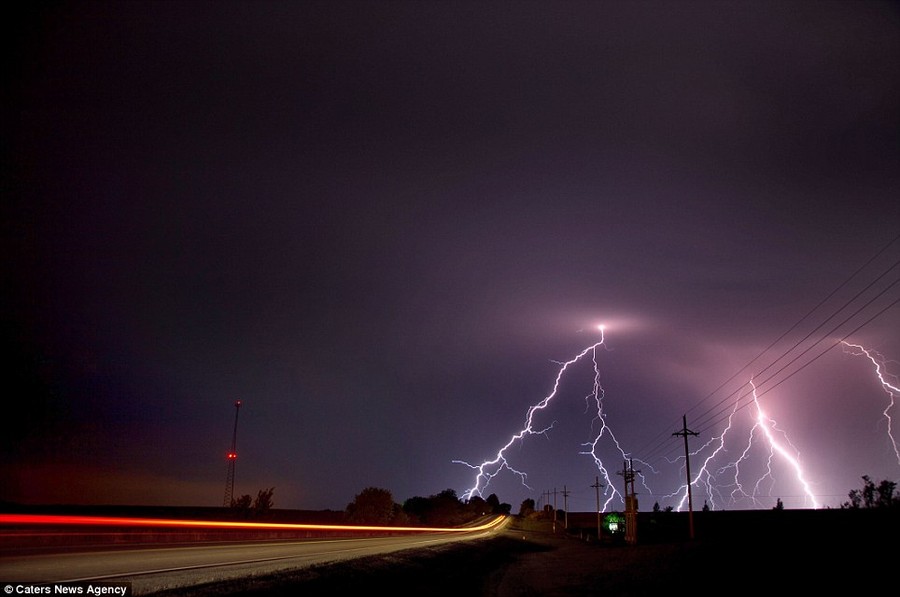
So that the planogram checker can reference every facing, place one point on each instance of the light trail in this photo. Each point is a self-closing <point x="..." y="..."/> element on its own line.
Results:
<point x="489" y="469"/>
<point x="62" y="520"/>
<point x="891" y="389"/>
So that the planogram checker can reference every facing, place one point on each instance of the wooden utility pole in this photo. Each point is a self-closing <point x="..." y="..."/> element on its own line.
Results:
<point x="685" y="432"/>
<point x="631" y="504"/>
<point x="554" y="509"/>
<point x="565" y="495"/>
<point x="597" y="486"/>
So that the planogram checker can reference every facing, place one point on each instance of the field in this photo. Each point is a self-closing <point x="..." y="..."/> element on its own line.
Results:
<point x="769" y="552"/>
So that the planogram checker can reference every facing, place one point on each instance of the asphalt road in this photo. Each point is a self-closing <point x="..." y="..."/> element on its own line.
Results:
<point x="152" y="569"/>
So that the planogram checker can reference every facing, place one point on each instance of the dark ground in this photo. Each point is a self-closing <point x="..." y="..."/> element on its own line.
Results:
<point x="772" y="552"/>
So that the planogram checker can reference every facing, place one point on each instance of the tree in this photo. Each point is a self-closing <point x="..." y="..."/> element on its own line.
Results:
<point x="442" y="509"/>
<point x="477" y="506"/>
<point x="886" y="495"/>
<point x="242" y="505"/>
<point x="399" y="517"/>
<point x="372" y="505"/>
<point x="245" y="506"/>
<point x="527" y="507"/>
<point x="446" y="509"/>
<point x="779" y="505"/>
<point x="871" y="496"/>
<point x="263" y="502"/>
<point x="417" y="507"/>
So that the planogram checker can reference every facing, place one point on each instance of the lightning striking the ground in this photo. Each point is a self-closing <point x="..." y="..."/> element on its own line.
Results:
<point x="891" y="388"/>
<point x="766" y="429"/>
<point x="489" y="469"/>
<point x="725" y="480"/>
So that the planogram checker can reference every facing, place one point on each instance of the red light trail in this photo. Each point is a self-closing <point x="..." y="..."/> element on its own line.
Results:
<point x="63" y="520"/>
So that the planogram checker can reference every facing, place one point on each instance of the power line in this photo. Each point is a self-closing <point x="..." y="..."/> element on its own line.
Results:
<point x="836" y="343"/>
<point x="661" y="443"/>
<point x="802" y="319"/>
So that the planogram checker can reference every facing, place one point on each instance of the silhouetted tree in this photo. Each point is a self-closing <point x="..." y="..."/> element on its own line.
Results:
<point x="263" y="502"/>
<point x="477" y="506"/>
<point x="246" y="507"/>
<point x="448" y="494"/>
<point x="779" y="505"/>
<point x="887" y="497"/>
<point x="417" y="507"/>
<point x="443" y="509"/>
<point x="372" y="505"/>
<point x="241" y="506"/>
<point x="527" y="507"/>
<point x="871" y="496"/>
<point x="446" y="509"/>
<point x="399" y="517"/>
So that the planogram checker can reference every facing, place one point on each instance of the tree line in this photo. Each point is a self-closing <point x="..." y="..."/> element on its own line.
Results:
<point x="376" y="506"/>
<point x="247" y="507"/>
<point x="883" y="495"/>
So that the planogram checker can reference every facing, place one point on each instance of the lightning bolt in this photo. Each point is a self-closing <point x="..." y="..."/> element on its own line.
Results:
<point x="489" y="469"/>
<point x="891" y="389"/>
<point x="762" y="425"/>
<point x="768" y="427"/>
<point x="763" y="429"/>
<point x="596" y="397"/>
<point x="704" y="476"/>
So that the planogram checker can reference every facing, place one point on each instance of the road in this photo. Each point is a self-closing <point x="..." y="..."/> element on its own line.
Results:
<point x="151" y="569"/>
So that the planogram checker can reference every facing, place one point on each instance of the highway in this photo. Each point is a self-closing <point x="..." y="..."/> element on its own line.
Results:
<point x="154" y="568"/>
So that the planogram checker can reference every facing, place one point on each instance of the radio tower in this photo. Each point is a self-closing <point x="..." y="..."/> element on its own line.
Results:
<point x="232" y="457"/>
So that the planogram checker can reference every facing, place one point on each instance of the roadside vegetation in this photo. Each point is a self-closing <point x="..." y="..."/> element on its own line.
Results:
<point x="376" y="506"/>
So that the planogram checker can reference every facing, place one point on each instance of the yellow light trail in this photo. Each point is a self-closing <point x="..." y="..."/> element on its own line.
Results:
<point x="47" y="520"/>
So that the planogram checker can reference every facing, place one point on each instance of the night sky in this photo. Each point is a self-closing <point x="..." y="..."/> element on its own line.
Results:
<point x="382" y="226"/>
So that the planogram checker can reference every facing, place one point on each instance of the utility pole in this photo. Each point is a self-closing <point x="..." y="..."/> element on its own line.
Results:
<point x="685" y="432"/>
<point x="631" y="504"/>
<point x="554" y="509"/>
<point x="565" y="495"/>
<point x="597" y="486"/>
<point x="232" y="457"/>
